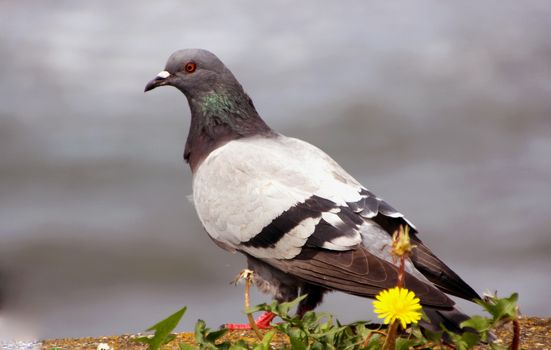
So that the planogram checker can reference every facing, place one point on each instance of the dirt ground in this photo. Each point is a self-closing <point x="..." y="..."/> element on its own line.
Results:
<point x="535" y="335"/>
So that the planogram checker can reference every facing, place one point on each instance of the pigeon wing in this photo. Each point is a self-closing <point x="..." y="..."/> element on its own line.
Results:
<point x="424" y="260"/>
<point x="281" y="199"/>
<point x="356" y="272"/>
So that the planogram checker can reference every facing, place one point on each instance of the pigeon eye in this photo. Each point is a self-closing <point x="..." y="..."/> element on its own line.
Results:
<point x="190" y="67"/>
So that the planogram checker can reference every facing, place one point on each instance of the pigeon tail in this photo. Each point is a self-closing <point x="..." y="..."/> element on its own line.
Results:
<point x="450" y="319"/>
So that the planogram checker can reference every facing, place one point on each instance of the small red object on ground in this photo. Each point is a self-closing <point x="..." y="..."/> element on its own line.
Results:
<point x="263" y="322"/>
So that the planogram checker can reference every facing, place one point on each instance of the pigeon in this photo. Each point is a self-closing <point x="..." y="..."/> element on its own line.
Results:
<point x="305" y="225"/>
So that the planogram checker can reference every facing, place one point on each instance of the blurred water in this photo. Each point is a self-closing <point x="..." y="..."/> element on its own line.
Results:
<point x="442" y="109"/>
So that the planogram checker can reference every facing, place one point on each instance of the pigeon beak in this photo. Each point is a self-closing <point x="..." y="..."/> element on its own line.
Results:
<point x="159" y="80"/>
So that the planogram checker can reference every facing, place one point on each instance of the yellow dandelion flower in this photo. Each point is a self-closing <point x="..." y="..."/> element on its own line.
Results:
<point x="398" y="303"/>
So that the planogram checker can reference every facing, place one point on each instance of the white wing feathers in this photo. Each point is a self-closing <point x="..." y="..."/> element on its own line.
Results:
<point x="269" y="197"/>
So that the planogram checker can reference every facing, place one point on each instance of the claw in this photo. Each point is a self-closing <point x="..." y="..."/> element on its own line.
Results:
<point x="245" y="274"/>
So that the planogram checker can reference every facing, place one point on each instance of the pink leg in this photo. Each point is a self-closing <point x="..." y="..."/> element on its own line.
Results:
<point x="262" y="322"/>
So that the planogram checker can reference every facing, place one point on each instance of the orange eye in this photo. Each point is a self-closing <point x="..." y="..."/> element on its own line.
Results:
<point x="190" y="67"/>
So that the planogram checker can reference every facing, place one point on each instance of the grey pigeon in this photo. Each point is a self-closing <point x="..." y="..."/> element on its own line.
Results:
<point x="305" y="225"/>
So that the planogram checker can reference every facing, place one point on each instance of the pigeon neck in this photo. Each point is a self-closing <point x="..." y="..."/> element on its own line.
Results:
<point x="217" y="118"/>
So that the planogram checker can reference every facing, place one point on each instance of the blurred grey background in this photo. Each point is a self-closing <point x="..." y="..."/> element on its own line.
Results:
<point x="441" y="108"/>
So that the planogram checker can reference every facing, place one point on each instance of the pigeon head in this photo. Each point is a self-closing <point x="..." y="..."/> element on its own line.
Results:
<point x="195" y="72"/>
<point x="220" y="109"/>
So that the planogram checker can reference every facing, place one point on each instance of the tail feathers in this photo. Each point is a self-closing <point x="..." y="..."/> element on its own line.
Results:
<point x="450" y="319"/>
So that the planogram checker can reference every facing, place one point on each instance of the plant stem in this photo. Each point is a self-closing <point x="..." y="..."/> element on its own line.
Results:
<point x="516" y="335"/>
<point x="368" y="338"/>
<point x="400" y="283"/>
<point x="390" y="341"/>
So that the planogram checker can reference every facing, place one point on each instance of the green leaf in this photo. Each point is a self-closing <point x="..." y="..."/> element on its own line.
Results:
<point x="501" y="309"/>
<point x="267" y="339"/>
<point x="478" y="323"/>
<point x="282" y="310"/>
<point x="375" y="343"/>
<point x="495" y="346"/>
<point x="207" y="340"/>
<point x="435" y="337"/>
<point x="361" y="330"/>
<point x="257" y="308"/>
<point x="185" y="346"/>
<point x="319" y="346"/>
<point x="222" y="346"/>
<point x="200" y="330"/>
<point x="471" y="339"/>
<point x="310" y="318"/>
<point x="239" y="345"/>
<point x="168" y="324"/>
<point x="464" y="341"/>
<point x="162" y="331"/>
<point x="265" y="343"/>
<point x="404" y="344"/>
<point x="215" y="335"/>
<point x="296" y="338"/>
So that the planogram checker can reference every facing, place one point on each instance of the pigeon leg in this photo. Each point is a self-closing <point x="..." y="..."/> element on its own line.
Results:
<point x="314" y="296"/>
<point x="262" y="322"/>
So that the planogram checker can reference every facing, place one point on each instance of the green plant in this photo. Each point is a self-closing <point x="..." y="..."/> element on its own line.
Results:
<point x="163" y="331"/>
<point x="319" y="330"/>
